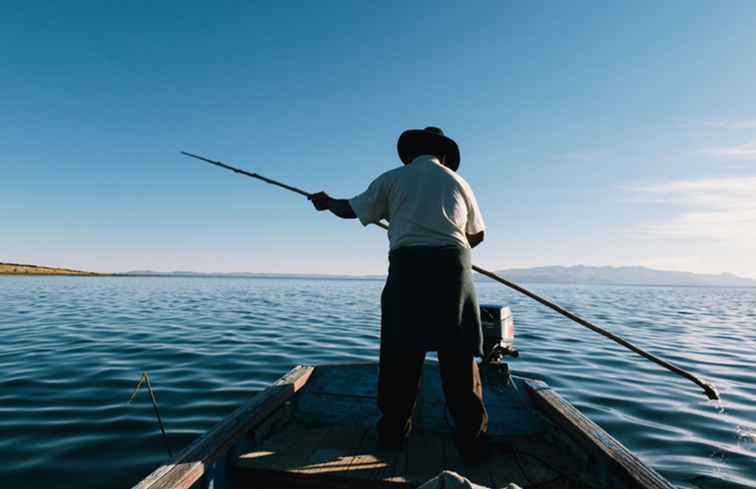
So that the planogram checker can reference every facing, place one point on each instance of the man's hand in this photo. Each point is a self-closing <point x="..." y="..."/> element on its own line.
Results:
<point x="321" y="201"/>
<point x="475" y="239"/>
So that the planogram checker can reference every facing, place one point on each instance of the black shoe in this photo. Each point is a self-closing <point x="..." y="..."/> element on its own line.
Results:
<point x="476" y="450"/>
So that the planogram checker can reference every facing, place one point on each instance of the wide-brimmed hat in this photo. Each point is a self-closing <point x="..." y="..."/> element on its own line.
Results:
<point x="431" y="140"/>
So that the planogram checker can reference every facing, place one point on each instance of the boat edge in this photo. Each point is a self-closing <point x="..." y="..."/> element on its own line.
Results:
<point x="192" y="462"/>
<point x="592" y="437"/>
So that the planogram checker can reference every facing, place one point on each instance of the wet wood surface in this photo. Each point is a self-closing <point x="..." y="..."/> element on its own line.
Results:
<point x="349" y="456"/>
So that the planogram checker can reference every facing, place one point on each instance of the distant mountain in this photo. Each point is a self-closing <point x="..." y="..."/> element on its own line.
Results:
<point x="581" y="274"/>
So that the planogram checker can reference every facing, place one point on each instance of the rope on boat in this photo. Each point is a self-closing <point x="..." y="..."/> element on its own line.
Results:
<point x="145" y="380"/>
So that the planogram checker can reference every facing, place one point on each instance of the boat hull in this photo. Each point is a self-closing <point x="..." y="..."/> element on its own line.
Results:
<point x="315" y="428"/>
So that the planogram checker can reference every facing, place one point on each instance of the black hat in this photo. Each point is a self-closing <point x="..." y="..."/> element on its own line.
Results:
<point x="431" y="140"/>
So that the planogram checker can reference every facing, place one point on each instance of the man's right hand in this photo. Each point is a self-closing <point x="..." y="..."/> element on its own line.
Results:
<point x="321" y="201"/>
<point x="475" y="239"/>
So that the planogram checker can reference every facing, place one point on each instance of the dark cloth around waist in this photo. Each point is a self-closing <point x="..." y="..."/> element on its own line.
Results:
<point x="429" y="302"/>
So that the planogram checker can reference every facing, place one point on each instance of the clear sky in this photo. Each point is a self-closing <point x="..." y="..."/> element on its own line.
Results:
<point x="601" y="133"/>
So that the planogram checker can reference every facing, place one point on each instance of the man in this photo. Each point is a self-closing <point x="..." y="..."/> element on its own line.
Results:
<point x="429" y="302"/>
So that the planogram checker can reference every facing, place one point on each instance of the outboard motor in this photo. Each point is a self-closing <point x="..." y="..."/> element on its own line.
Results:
<point x="498" y="333"/>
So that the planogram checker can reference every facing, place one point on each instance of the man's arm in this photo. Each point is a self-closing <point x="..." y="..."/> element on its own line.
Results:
<point x="475" y="239"/>
<point x="322" y="201"/>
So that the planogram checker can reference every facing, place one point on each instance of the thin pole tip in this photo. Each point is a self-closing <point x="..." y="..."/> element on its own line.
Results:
<point x="711" y="391"/>
<point x="192" y="155"/>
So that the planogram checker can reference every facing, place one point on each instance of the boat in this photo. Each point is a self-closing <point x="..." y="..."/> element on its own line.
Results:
<point x="315" y="428"/>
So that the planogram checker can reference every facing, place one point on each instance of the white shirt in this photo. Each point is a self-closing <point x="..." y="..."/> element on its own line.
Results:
<point x="425" y="203"/>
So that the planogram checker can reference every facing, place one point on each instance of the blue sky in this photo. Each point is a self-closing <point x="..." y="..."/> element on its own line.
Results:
<point x="601" y="133"/>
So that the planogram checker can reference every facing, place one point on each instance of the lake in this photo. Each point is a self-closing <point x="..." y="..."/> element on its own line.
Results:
<point x="73" y="349"/>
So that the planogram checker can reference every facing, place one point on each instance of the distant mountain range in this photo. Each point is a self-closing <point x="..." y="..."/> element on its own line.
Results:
<point x="579" y="274"/>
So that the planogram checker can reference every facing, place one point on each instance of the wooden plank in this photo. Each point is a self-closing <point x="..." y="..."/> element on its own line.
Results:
<point x="190" y="464"/>
<point x="538" y="472"/>
<point x="504" y="469"/>
<point x="346" y="380"/>
<point x="476" y="472"/>
<point x="274" y="479"/>
<point x="613" y="459"/>
<point x="335" y="452"/>
<point x="543" y="458"/>
<point x="373" y="461"/>
<point x="285" y="451"/>
<point x="269" y="465"/>
<point x="344" y="457"/>
<point x="425" y="458"/>
<point x="264" y="453"/>
<point x="317" y="409"/>
<point x="272" y="423"/>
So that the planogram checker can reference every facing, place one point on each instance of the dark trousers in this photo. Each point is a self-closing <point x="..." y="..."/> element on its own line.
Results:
<point x="398" y="381"/>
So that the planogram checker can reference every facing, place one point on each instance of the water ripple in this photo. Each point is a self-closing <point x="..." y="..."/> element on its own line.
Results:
<point x="73" y="349"/>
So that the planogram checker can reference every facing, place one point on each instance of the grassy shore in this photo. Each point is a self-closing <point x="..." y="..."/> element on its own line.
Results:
<point x="21" y="269"/>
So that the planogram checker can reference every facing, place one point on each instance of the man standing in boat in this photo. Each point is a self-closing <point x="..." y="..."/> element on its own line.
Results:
<point x="429" y="302"/>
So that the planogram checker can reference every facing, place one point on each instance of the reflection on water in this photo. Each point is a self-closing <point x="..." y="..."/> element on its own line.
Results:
<point x="72" y="350"/>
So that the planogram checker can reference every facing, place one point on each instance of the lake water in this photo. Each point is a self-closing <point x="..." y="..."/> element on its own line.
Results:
<point x="72" y="350"/>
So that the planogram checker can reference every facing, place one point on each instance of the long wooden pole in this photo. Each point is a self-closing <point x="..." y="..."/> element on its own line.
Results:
<point x="708" y="387"/>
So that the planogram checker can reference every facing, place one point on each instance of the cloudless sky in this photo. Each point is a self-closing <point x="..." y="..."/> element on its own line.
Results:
<point x="601" y="133"/>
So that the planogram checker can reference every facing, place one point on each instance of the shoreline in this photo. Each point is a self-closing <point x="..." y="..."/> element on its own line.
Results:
<point x="358" y="279"/>
<point x="16" y="269"/>
<point x="27" y="270"/>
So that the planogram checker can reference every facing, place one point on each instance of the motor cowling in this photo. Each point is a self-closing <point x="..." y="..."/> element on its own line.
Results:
<point x="498" y="332"/>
